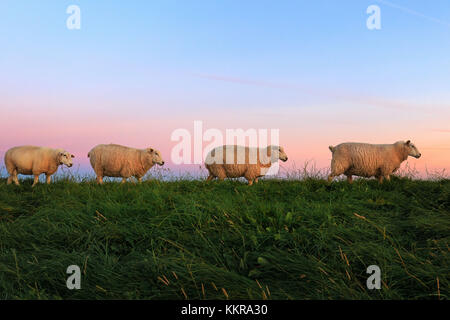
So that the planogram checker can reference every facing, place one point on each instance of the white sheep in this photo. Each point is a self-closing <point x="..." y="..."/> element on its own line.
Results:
<point x="370" y="160"/>
<point x="112" y="160"/>
<point x="233" y="161"/>
<point x="31" y="160"/>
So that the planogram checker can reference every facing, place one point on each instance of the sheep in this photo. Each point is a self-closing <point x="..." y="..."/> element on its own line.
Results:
<point x="32" y="160"/>
<point x="238" y="161"/>
<point x="114" y="160"/>
<point x="370" y="160"/>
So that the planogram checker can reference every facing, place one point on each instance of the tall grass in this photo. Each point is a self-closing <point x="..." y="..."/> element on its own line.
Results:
<point x="184" y="238"/>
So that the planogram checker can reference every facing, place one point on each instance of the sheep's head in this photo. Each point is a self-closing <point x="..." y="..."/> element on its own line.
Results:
<point x="65" y="158"/>
<point x="156" y="156"/>
<point x="412" y="149"/>
<point x="282" y="155"/>
<point x="278" y="153"/>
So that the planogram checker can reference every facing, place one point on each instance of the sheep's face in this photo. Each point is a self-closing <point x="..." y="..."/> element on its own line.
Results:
<point x="282" y="155"/>
<point x="66" y="158"/>
<point x="156" y="156"/>
<point x="412" y="149"/>
<point x="278" y="153"/>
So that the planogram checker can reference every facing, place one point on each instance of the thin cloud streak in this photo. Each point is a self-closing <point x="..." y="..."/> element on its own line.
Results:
<point x="367" y="100"/>
<point x="414" y="13"/>
<point x="441" y="130"/>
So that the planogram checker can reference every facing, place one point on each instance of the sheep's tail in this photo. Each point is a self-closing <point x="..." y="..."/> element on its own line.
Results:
<point x="332" y="148"/>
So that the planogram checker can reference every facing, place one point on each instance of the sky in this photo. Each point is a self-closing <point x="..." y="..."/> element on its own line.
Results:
<point x="138" y="70"/>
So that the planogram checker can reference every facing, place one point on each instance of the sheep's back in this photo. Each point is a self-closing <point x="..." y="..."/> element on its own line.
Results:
<point x="363" y="159"/>
<point x="115" y="158"/>
<point x="25" y="157"/>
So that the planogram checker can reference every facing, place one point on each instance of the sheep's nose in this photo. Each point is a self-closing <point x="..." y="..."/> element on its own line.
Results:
<point x="163" y="163"/>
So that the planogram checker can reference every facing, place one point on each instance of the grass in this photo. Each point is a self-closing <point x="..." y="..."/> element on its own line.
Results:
<point x="280" y="239"/>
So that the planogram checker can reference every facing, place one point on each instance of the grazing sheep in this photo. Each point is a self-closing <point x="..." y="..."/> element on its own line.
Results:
<point x="31" y="160"/>
<point x="370" y="160"/>
<point x="239" y="161"/>
<point x="112" y="160"/>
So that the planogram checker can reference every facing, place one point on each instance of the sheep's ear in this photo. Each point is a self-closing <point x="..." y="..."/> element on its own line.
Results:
<point x="408" y="142"/>
<point x="150" y="150"/>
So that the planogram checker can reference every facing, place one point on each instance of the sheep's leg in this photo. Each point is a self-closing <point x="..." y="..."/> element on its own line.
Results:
<point x="48" y="178"/>
<point x="36" y="180"/>
<point x="11" y="171"/>
<point x="123" y="180"/>
<point x="249" y="175"/>
<point x="337" y="169"/>
<point x="380" y="179"/>
<point x="333" y="171"/>
<point x="139" y="179"/>
<point x="15" y="179"/>
<point x="350" y="178"/>
<point x="100" y="179"/>
<point x="210" y="177"/>
<point x="256" y="180"/>
<point x="221" y="175"/>
<point x="387" y="177"/>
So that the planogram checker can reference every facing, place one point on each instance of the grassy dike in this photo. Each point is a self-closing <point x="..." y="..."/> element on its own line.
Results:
<point x="294" y="239"/>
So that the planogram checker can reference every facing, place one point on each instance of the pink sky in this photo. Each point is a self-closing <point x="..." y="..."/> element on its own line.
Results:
<point x="305" y="133"/>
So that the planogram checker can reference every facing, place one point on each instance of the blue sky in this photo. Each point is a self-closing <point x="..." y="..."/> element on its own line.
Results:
<point x="319" y="42"/>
